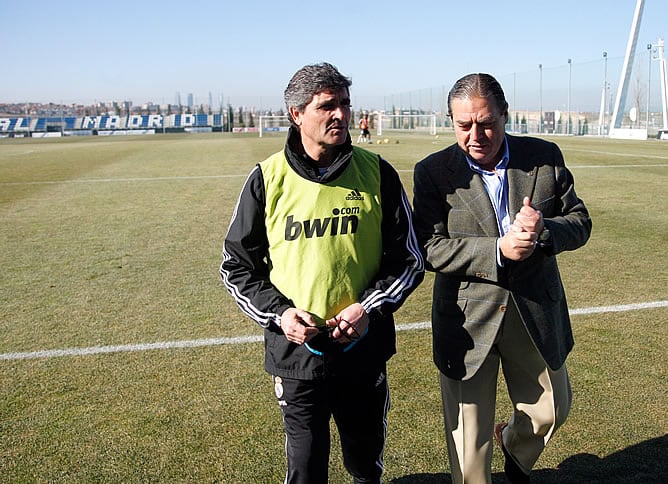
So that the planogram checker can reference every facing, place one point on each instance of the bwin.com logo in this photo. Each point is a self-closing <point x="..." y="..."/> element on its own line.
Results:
<point x="355" y="195"/>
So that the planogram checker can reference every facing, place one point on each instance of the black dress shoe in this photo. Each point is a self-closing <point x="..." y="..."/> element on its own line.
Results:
<point x="513" y="472"/>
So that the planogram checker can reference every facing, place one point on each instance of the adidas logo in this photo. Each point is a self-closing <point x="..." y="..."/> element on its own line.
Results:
<point x="355" y="195"/>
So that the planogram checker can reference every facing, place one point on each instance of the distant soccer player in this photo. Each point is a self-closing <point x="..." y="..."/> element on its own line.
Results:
<point x="365" y="135"/>
<point x="320" y="252"/>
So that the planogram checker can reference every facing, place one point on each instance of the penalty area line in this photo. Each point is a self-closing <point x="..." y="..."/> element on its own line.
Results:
<point x="97" y="350"/>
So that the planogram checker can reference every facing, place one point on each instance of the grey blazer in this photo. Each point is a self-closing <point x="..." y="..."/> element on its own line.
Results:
<point x="457" y="228"/>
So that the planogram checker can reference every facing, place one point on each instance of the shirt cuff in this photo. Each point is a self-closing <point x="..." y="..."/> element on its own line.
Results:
<point x="499" y="257"/>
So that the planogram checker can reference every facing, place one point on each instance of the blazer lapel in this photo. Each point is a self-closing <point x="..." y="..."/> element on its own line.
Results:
<point x="476" y="198"/>
<point x="521" y="177"/>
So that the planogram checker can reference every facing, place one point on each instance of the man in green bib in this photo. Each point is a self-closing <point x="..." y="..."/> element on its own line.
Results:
<point x="320" y="252"/>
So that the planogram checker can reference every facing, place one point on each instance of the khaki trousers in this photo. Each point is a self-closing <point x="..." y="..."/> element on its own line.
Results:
<point x="541" y="401"/>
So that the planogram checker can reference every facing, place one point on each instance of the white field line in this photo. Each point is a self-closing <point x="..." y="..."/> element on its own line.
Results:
<point x="112" y="180"/>
<point x="580" y="167"/>
<point x="612" y="153"/>
<point x="96" y="350"/>
<point x="644" y="165"/>
<point x="244" y="175"/>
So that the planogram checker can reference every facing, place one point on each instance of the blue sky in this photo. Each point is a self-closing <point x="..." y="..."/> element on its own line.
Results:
<point x="83" y="51"/>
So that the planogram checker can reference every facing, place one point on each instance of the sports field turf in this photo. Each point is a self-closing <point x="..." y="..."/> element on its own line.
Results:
<point x="123" y="359"/>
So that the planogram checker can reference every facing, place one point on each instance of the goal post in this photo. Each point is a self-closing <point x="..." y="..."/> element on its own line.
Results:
<point x="273" y="124"/>
<point x="406" y="122"/>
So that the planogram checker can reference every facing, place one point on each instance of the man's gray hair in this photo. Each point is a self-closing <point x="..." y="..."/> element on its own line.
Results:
<point x="478" y="85"/>
<point x="311" y="80"/>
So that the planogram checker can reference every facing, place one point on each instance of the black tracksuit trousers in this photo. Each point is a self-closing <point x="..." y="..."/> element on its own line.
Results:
<point x="360" y="411"/>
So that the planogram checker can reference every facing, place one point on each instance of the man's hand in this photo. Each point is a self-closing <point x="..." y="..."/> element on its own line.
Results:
<point x="350" y="324"/>
<point x="530" y="219"/>
<point x="298" y="325"/>
<point x="520" y="241"/>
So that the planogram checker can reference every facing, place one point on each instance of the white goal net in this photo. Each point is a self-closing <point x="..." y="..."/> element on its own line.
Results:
<point x="273" y="125"/>
<point x="406" y="122"/>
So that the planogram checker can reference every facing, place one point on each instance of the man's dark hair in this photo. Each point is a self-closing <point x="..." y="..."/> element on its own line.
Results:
<point x="478" y="85"/>
<point x="311" y="80"/>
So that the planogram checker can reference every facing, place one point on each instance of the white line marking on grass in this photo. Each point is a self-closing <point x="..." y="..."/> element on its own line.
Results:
<point x="658" y="165"/>
<point x="96" y="350"/>
<point x="612" y="153"/>
<point x="244" y="175"/>
<point x="619" y="308"/>
<point x="111" y="180"/>
<point x="655" y="165"/>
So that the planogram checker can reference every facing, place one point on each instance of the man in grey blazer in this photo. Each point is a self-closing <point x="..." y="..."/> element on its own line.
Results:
<point x="491" y="213"/>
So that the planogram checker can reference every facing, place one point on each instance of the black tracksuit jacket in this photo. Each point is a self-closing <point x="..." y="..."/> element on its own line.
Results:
<point x="245" y="273"/>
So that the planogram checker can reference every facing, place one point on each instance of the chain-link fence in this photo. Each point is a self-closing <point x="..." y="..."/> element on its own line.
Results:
<point x="574" y="98"/>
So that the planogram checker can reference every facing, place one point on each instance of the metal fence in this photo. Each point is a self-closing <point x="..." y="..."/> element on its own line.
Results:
<point x="572" y="98"/>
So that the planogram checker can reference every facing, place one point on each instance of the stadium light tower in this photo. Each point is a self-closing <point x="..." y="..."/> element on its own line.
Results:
<point x="622" y="90"/>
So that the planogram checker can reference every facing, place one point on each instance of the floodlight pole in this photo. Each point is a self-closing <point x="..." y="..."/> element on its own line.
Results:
<point x="649" y="82"/>
<point x="664" y="83"/>
<point x="568" y="121"/>
<point x="602" y="117"/>
<point x="540" y="96"/>
<point x="514" y="101"/>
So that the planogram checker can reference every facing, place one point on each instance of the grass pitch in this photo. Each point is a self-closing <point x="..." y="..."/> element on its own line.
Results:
<point x="116" y="241"/>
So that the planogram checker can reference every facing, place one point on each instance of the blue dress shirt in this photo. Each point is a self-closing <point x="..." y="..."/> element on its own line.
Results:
<point x="496" y="185"/>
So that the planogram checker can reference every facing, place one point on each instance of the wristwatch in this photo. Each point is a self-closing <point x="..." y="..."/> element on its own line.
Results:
<point x="545" y="241"/>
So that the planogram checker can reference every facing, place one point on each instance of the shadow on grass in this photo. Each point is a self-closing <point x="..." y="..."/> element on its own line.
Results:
<point x="645" y="462"/>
